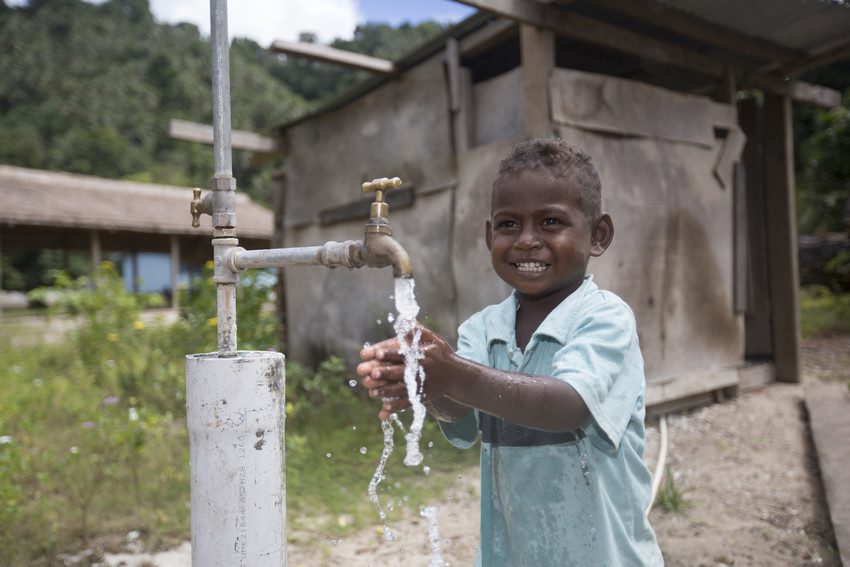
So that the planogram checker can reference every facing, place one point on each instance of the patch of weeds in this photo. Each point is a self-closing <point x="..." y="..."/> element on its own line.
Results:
<point x="93" y="439"/>
<point x="823" y="312"/>
<point x="671" y="495"/>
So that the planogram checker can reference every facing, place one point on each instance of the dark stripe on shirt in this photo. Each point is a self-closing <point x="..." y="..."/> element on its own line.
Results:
<point x="497" y="431"/>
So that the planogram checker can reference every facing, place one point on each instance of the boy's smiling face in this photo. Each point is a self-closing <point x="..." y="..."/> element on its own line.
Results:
<point x="539" y="238"/>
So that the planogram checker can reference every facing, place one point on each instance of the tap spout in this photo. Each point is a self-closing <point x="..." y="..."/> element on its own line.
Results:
<point x="380" y="250"/>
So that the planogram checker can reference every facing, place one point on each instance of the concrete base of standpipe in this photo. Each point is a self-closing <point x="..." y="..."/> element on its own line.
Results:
<point x="235" y="415"/>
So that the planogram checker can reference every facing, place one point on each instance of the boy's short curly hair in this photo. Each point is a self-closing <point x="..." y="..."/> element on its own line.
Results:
<point x="563" y="162"/>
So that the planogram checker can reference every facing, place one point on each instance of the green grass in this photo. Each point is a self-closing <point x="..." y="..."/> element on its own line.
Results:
<point x="93" y="440"/>
<point x="671" y="496"/>
<point x="823" y="312"/>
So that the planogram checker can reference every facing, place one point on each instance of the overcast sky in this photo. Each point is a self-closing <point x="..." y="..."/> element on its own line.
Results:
<point x="266" y="20"/>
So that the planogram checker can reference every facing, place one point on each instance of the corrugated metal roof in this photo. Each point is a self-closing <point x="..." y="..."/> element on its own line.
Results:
<point x="47" y="198"/>
<point x="813" y="26"/>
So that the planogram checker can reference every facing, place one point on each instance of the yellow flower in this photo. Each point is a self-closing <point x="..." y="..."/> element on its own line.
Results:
<point x="209" y="265"/>
<point x="212" y="322"/>
<point x="112" y="337"/>
<point x="138" y="325"/>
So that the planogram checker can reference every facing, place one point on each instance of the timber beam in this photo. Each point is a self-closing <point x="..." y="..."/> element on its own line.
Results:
<point x="203" y="133"/>
<point x="333" y="55"/>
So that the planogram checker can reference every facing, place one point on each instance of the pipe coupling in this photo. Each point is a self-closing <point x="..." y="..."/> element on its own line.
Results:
<point x="342" y="254"/>
<point x="224" y="202"/>
<point x="224" y="250"/>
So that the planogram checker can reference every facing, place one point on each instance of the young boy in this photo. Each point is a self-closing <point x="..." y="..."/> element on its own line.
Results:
<point x="552" y="378"/>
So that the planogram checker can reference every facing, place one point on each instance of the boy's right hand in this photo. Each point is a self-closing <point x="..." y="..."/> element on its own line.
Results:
<point x="382" y="370"/>
<point x="384" y="378"/>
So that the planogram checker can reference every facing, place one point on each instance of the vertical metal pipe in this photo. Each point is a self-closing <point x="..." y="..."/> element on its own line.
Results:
<point x="221" y="87"/>
<point x="226" y="303"/>
<point x="224" y="186"/>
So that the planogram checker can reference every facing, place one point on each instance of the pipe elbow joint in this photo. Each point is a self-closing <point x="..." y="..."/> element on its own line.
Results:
<point x="382" y="250"/>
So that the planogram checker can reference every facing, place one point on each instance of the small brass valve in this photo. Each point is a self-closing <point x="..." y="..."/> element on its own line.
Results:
<point x="193" y="207"/>
<point x="380" y="209"/>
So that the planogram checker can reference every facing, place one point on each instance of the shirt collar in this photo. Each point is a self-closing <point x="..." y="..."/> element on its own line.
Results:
<point x="501" y="322"/>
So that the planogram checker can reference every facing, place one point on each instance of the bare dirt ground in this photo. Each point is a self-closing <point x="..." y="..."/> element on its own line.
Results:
<point x="747" y="466"/>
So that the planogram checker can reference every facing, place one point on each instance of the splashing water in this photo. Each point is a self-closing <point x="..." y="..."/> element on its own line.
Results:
<point x="408" y="309"/>
<point x="397" y="422"/>
<point x="387" y="428"/>
<point x="433" y="536"/>
<point x="404" y="324"/>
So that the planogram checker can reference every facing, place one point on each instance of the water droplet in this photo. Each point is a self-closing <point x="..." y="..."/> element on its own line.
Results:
<point x="427" y="470"/>
<point x="353" y="427"/>
<point x="363" y="450"/>
<point x="460" y="476"/>
<point x="430" y="444"/>
<point x="378" y="321"/>
<point x="390" y="317"/>
<point x="328" y="455"/>
<point x="367" y="344"/>
<point x="352" y="383"/>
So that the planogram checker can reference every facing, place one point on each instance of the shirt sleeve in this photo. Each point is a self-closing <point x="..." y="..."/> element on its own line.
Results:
<point x="602" y="362"/>
<point x="471" y="345"/>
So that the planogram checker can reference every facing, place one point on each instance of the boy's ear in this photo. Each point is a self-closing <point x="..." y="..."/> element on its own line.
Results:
<point x="488" y="234"/>
<point x="602" y="235"/>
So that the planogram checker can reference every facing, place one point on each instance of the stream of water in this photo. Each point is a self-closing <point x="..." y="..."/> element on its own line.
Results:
<point x="414" y="379"/>
<point x="414" y="376"/>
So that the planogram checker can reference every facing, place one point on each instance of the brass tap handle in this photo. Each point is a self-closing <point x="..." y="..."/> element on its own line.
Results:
<point x="193" y="207"/>
<point x="380" y="209"/>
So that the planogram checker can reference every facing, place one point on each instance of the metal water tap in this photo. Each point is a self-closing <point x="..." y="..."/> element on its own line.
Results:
<point x="380" y="249"/>
<point x="199" y="206"/>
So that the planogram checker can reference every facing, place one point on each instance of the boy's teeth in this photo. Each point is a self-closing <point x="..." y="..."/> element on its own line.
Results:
<point x="530" y="266"/>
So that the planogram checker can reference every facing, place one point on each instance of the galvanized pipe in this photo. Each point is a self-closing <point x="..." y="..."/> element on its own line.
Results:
<point x="331" y="255"/>
<point x="221" y="87"/>
<point x="223" y="183"/>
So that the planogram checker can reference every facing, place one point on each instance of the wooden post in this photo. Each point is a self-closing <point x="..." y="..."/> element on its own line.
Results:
<point x="757" y="325"/>
<point x="460" y="94"/>
<point x="1" y="272"/>
<point x="279" y="187"/>
<point x="537" y="48"/>
<point x="175" y="269"/>
<point x="781" y="216"/>
<point x="96" y="251"/>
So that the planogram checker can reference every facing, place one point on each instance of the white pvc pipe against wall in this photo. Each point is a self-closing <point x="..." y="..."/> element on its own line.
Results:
<point x="235" y="409"/>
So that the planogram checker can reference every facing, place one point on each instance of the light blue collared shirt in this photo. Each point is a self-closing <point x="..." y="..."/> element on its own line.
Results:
<point x="577" y="503"/>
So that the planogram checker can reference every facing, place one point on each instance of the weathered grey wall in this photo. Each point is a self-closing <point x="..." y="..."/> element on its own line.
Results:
<point x="497" y="108"/>
<point x="477" y="284"/>
<point x="402" y="128"/>
<point x="660" y="164"/>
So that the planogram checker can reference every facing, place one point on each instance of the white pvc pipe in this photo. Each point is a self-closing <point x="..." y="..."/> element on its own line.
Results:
<point x="660" y="463"/>
<point x="235" y="415"/>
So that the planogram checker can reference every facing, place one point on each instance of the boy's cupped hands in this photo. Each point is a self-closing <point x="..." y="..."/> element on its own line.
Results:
<point x="383" y="364"/>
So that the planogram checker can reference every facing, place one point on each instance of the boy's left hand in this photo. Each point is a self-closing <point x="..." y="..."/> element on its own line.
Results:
<point x="382" y="370"/>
